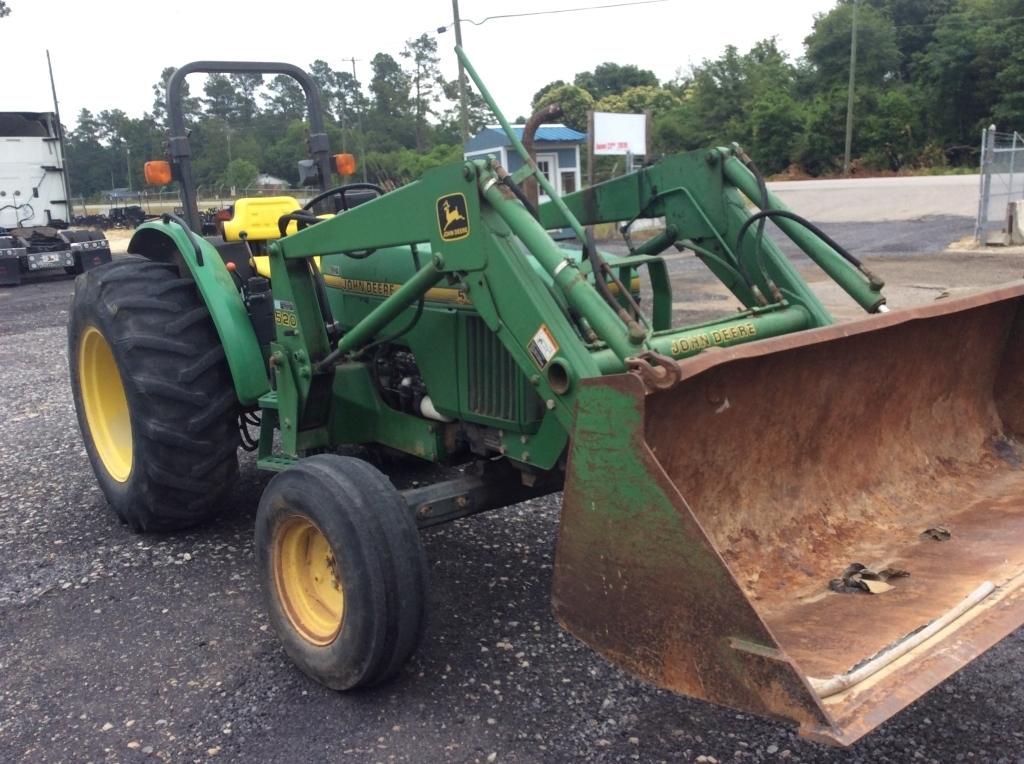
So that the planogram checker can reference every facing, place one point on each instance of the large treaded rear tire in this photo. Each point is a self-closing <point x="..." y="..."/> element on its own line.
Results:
<point x="183" y="439"/>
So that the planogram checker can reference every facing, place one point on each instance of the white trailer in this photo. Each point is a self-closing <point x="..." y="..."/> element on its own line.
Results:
<point x="35" y="208"/>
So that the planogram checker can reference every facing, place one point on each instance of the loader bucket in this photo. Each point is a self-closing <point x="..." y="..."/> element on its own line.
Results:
<point x="702" y="524"/>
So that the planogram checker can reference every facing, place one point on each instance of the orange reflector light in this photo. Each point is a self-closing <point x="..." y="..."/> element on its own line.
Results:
<point x="158" y="172"/>
<point x="344" y="164"/>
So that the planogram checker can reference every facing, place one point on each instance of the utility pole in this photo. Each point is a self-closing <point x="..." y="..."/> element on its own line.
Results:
<point x="128" y="163"/>
<point x="463" y="116"/>
<point x="61" y="140"/>
<point x="362" y="135"/>
<point x="849" y="99"/>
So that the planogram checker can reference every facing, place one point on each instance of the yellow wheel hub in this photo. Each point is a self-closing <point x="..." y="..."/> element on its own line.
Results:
<point x="106" y="407"/>
<point x="307" y="580"/>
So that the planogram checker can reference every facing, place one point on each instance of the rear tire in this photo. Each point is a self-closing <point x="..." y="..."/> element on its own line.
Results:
<point x="342" y="570"/>
<point x="154" y="396"/>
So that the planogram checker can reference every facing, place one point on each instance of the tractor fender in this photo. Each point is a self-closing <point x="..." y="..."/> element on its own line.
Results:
<point x="170" y="243"/>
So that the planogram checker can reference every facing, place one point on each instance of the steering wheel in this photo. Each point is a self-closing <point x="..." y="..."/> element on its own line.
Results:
<point x="341" y="192"/>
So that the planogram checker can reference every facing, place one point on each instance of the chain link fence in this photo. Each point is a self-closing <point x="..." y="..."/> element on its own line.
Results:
<point x="157" y="202"/>
<point x="1002" y="182"/>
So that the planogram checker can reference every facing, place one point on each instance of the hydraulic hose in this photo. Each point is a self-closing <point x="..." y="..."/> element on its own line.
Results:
<point x="762" y="189"/>
<point x="601" y="270"/>
<point x="842" y="251"/>
<point x="322" y="301"/>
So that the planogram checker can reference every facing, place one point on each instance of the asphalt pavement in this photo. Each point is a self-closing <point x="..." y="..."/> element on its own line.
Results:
<point x="120" y="647"/>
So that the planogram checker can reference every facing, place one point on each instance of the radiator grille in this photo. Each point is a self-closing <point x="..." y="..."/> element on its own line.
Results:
<point x="494" y="378"/>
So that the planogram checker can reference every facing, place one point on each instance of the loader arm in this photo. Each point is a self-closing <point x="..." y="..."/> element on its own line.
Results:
<point x="559" y="330"/>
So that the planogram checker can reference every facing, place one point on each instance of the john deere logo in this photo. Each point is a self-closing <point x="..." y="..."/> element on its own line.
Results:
<point x="451" y="217"/>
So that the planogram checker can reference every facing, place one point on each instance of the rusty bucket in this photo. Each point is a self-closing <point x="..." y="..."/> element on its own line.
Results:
<point x="709" y="531"/>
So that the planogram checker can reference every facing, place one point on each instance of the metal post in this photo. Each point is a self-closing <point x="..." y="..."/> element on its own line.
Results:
<point x="362" y="135"/>
<point x="849" y="98"/>
<point x="590" y="148"/>
<point x="1013" y="156"/>
<point x="463" y="115"/>
<point x="61" y="141"/>
<point x="648" y="147"/>
<point x="988" y="147"/>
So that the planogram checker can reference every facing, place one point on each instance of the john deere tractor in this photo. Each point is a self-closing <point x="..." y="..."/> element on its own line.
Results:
<point x="718" y="479"/>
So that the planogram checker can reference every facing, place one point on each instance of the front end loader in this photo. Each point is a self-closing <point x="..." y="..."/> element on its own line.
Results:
<point x="810" y="521"/>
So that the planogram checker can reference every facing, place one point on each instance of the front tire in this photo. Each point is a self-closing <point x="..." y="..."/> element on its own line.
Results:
<point x="154" y="397"/>
<point x="342" y="570"/>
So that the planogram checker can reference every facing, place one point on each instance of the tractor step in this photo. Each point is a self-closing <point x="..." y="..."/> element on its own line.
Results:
<point x="275" y="463"/>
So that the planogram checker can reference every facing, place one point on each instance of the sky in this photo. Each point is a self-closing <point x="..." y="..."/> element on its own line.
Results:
<point x="108" y="53"/>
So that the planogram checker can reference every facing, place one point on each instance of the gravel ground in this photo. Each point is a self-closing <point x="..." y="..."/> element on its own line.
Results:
<point x="118" y="647"/>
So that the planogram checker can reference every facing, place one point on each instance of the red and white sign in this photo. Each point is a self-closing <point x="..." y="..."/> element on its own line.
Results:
<point x="620" y="133"/>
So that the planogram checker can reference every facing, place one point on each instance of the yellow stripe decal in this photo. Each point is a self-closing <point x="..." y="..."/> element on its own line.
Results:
<point x="436" y="294"/>
<point x="386" y="289"/>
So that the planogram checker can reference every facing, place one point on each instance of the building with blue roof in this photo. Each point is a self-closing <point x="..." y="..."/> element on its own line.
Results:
<point x="557" y="147"/>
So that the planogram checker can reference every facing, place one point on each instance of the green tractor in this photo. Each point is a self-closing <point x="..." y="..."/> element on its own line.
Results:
<point x="716" y="477"/>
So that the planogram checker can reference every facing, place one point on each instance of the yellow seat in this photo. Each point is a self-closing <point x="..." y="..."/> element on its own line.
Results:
<point x="257" y="217"/>
<point x="262" y="264"/>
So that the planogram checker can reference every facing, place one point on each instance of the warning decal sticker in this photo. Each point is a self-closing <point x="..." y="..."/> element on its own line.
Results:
<point x="542" y="346"/>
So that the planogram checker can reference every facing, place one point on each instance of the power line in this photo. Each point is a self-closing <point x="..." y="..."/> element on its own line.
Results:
<point x="557" y="10"/>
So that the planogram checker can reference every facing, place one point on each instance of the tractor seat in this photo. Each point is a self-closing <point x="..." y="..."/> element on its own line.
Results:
<point x="257" y="217"/>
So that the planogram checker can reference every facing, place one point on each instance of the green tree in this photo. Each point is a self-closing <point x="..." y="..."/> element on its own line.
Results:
<point x="4" y="9"/>
<point x="424" y="78"/>
<point x="286" y="98"/>
<point x="240" y="174"/>
<point x="828" y="45"/>
<point x="88" y="161"/>
<point x="350" y="102"/>
<point x="326" y="79"/>
<point x="478" y="114"/>
<point x="544" y="91"/>
<point x="609" y="78"/>
<point x="232" y="98"/>
<point x="914" y="22"/>
<point x="246" y="86"/>
<point x="219" y="102"/>
<point x="638" y="99"/>
<point x="575" y="103"/>
<point x="390" y="122"/>
<point x="890" y="132"/>
<point x="389" y="87"/>
<point x="716" y="106"/>
<point x="820" y="148"/>
<point x="190" y="105"/>
<point x="775" y="124"/>
<point x="959" y="71"/>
